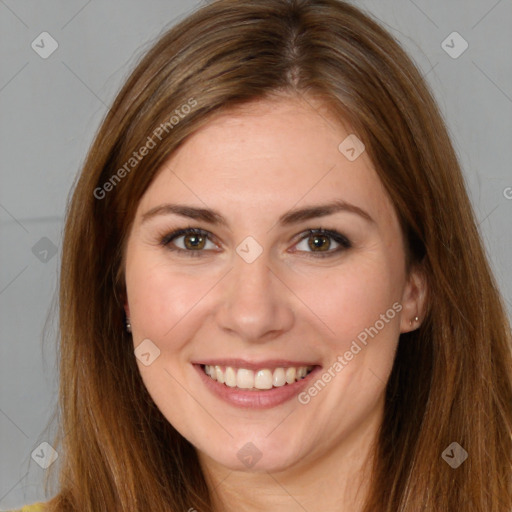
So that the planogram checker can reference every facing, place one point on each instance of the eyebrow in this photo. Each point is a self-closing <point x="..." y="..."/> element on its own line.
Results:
<point x="289" y="218"/>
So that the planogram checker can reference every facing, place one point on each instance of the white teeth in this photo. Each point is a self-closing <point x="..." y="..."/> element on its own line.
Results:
<point x="245" y="379"/>
<point x="290" y="375"/>
<point x="262" y="379"/>
<point x="219" y="374"/>
<point x="230" y="377"/>
<point x="279" y="377"/>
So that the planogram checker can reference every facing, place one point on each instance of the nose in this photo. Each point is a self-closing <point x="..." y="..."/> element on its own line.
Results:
<point x="256" y="303"/>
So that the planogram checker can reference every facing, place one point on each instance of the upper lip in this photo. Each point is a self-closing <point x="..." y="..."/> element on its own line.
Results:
<point x="254" y="365"/>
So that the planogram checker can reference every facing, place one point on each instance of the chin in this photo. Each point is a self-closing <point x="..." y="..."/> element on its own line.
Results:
<point x="255" y="457"/>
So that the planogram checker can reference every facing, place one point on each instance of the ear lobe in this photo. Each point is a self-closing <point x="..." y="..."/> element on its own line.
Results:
<point x="414" y="300"/>
<point x="127" y="321"/>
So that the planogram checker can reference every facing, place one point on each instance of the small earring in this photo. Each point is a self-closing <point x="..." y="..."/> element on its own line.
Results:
<point x="415" y="320"/>
<point x="128" y="325"/>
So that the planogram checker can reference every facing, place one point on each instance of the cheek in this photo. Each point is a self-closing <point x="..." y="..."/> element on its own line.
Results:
<point x="359" y="302"/>
<point x="354" y="296"/>
<point x="158" y="298"/>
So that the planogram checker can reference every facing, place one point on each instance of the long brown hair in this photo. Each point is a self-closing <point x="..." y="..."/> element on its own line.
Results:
<point x="451" y="380"/>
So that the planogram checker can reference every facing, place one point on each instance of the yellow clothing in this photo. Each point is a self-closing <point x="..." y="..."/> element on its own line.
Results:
<point x="36" y="507"/>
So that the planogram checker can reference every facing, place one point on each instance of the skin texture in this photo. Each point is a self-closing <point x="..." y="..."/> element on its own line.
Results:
<point x="252" y="165"/>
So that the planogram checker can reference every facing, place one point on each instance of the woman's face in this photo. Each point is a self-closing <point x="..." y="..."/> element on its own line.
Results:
<point x="257" y="296"/>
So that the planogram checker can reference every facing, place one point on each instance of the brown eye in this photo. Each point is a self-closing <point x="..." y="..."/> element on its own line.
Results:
<point x="193" y="244"/>
<point x="193" y="241"/>
<point x="319" y="242"/>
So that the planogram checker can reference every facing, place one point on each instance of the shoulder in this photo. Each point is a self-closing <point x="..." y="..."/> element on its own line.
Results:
<point x="36" y="507"/>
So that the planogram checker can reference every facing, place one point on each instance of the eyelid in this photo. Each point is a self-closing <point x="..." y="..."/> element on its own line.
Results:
<point x="343" y="242"/>
<point x="338" y="237"/>
<point x="166" y="239"/>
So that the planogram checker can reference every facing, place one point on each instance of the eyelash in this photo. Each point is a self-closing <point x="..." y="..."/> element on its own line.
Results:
<point x="342" y="240"/>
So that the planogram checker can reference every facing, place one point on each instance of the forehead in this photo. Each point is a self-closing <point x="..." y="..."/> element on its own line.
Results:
<point x="268" y="156"/>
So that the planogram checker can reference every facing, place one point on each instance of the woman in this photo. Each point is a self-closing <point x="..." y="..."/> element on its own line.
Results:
<point x="273" y="292"/>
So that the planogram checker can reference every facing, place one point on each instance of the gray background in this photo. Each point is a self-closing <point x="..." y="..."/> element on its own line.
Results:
<point x="50" y="109"/>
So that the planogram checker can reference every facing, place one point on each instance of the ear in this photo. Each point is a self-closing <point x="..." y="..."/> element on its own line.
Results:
<point x="413" y="300"/>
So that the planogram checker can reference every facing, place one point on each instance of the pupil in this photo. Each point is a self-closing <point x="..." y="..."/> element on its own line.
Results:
<point x="195" y="243"/>
<point x="319" y="239"/>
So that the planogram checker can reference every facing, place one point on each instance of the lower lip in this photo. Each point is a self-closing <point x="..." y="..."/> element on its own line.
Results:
<point x="264" y="399"/>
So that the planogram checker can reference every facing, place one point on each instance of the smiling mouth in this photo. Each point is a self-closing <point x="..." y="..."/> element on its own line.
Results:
<point x="250" y="380"/>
